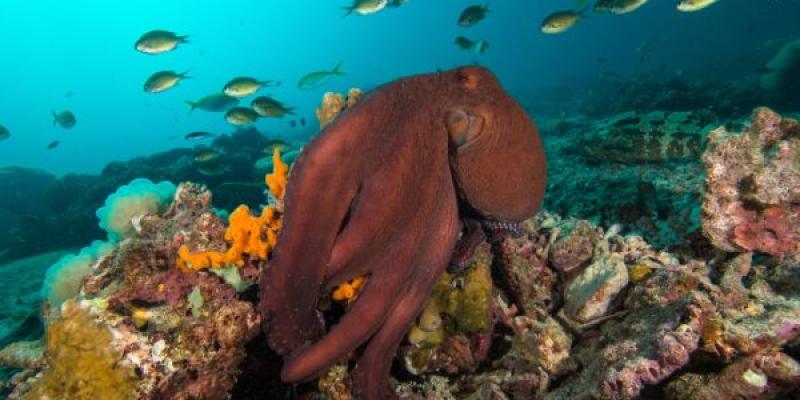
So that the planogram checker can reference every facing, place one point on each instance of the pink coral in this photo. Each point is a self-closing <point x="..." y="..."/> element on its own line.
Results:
<point x="770" y="232"/>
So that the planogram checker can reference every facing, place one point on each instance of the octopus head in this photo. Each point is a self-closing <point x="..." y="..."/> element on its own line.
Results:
<point x="496" y="154"/>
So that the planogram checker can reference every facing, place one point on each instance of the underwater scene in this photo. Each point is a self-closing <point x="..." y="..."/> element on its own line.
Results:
<point x="400" y="199"/>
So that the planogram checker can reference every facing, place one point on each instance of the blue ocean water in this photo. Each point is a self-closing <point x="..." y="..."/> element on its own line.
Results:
<point x="79" y="55"/>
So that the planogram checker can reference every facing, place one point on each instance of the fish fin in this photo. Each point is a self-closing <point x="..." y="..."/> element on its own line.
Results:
<point x="269" y="83"/>
<point x="185" y="74"/>
<point x="192" y="105"/>
<point x="290" y="110"/>
<point x="349" y="11"/>
<point x="183" y="39"/>
<point x="337" y="70"/>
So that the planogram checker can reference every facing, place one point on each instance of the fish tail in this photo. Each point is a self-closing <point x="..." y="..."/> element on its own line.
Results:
<point x="183" y="39"/>
<point x="192" y="105"/>
<point x="185" y="74"/>
<point x="269" y="83"/>
<point x="337" y="70"/>
<point x="349" y="11"/>
<point x="290" y="110"/>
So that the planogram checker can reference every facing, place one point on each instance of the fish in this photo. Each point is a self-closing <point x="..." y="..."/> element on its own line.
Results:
<point x="560" y="21"/>
<point x="365" y="7"/>
<point x="212" y="169"/>
<point x="163" y="80"/>
<point x="268" y="107"/>
<point x="65" y="119"/>
<point x="316" y="79"/>
<point x="293" y="123"/>
<point x="4" y="133"/>
<point x="240" y="116"/>
<point x="472" y="15"/>
<point x="217" y="102"/>
<point x="302" y="121"/>
<point x="53" y="145"/>
<point x="205" y="155"/>
<point x="602" y="6"/>
<point x="198" y="135"/>
<point x="627" y="6"/>
<point x="245" y="86"/>
<point x="694" y="5"/>
<point x="158" y="41"/>
<point x="479" y="46"/>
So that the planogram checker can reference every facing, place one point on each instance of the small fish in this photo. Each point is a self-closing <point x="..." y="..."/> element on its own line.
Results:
<point x="479" y="46"/>
<point x="245" y="86"/>
<point x="198" y="135"/>
<point x="472" y="15"/>
<point x="205" y="155"/>
<point x="163" y="80"/>
<point x="4" y="133"/>
<point x="604" y="5"/>
<point x="293" y="123"/>
<point x="560" y="21"/>
<point x="211" y="169"/>
<point x="302" y="121"/>
<point x="627" y="6"/>
<point x="157" y="42"/>
<point x="217" y="102"/>
<point x="316" y="79"/>
<point x="65" y="119"/>
<point x="464" y="43"/>
<point x="53" y="145"/>
<point x="68" y="94"/>
<point x="694" y="5"/>
<point x="240" y="116"/>
<point x="365" y="7"/>
<point x="268" y="107"/>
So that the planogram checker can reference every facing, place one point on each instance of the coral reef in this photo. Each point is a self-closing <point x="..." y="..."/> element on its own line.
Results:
<point x="60" y="213"/>
<point x="141" y="328"/>
<point x="129" y="203"/>
<point x="641" y="170"/>
<point x="565" y="308"/>
<point x="752" y="196"/>
<point x="335" y="103"/>
<point x="63" y="279"/>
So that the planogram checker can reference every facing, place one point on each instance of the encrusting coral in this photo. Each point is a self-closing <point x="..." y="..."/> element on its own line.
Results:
<point x="83" y="363"/>
<point x="752" y="191"/>
<point x="246" y="234"/>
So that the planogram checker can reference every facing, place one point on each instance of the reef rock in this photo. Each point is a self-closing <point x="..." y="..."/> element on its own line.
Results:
<point x="753" y="187"/>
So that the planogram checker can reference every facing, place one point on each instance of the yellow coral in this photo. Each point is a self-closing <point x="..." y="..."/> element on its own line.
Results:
<point x="348" y="290"/>
<point x="639" y="272"/>
<point x="82" y="364"/>
<point x="246" y="234"/>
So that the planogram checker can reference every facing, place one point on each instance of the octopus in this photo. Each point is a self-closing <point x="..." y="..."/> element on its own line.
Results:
<point x="391" y="190"/>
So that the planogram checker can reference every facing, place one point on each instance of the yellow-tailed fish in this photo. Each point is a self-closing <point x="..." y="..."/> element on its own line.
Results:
<point x="316" y="79"/>
<point x="240" y="116"/>
<point x="560" y="21"/>
<point x="163" y="80"/>
<point x="627" y="6"/>
<point x="269" y="107"/>
<point x="365" y="7"/>
<point x="694" y="5"/>
<point x="245" y="86"/>
<point x="158" y="41"/>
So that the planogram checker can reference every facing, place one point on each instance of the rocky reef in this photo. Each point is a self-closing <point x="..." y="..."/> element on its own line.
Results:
<point x="60" y="212"/>
<point x="567" y="308"/>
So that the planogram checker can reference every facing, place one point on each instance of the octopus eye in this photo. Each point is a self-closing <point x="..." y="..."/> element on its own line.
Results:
<point x="463" y="127"/>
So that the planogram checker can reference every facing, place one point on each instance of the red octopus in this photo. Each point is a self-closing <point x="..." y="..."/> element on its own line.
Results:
<point x="382" y="192"/>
